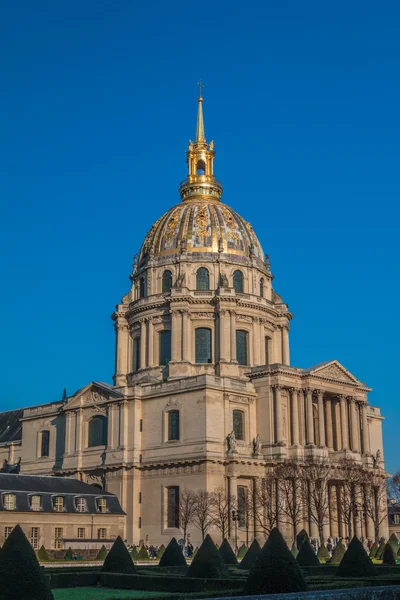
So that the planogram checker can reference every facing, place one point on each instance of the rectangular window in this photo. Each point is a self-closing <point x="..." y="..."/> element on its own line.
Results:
<point x="173" y="506"/>
<point x="141" y="425"/>
<point x="238" y="428"/>
<point x="81" y="533"/>
<point x="203" y="345"/>
<point x="35" y="503"/>
<point x="58" y="534"/>
<point x="45" y="443"/>
<point x="140" y="458"/>
<point x="241" y="503"/>
<point x="267" y="340"/>
<point x="140" y="497"/>
<point x="101" y="533"/>
<point x="35" y="538"/>
<point x="397" y="519"/>
<point x="165" y="347"/>
<point x="140" y="523"/>
<point x="102" y="505"/>
<point x="136" y="354"/>
<point x="81" y="504"/>
<point x="7" y="531"/>
<point x="59" y="503"/>
<point x="241" y="347"/>
<point x="9" y="502"/>
<point x="173" y="425"/>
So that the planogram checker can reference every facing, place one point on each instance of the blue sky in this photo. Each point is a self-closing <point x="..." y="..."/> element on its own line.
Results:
<point x="98" y="101"/>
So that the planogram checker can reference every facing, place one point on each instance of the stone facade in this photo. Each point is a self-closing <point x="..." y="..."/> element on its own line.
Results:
<point x="202" y="349"/>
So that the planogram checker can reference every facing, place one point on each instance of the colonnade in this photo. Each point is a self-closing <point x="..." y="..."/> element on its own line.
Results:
<point x="315" y="417"/>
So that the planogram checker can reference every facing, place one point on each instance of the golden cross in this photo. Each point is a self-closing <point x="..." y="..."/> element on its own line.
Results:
<point x="201" y="87"/>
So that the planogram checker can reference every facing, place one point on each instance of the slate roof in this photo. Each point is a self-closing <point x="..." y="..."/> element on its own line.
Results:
<point x="47" y="487"/>
<point x="11" y="426"/>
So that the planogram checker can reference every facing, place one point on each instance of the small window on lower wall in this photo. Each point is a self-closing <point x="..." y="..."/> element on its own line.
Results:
<point x="173" y="506"/>
<point x="101" y="533"/>
<point x="173" y="425"/>
<point x="7" y="531"/>
<point x="58" y="534"/>
<point x="35" y="538"/>
<point x="81" y="533"/>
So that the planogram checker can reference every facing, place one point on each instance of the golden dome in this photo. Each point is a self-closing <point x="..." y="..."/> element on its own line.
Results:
<point x="201" y="223"/>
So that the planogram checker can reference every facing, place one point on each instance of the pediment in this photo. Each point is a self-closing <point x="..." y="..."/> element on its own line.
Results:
<point x="335" y="371"/>
<point x="93" y="394"/>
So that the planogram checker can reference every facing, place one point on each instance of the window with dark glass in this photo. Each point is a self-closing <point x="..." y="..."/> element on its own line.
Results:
<point x="173" y="425"/>
<point x="167" y="281"/>
<point x="173" y="506"/>
<point x="267" y="342"/>
<point x="238" y="281"/>
<point x="142" y="287"/>
<point x="241" y="504"/>
<point x="262" y="288"/>
<point x="45" y="443"/>
<point x="136" y="354"/>
<point x="203" y="345"/>
<point x="98" y="431"/>
<point x="238" y="428"/>
<point x="202" y="279"/>
<point x="241" y="347"/>
<point x="165" y="347"/>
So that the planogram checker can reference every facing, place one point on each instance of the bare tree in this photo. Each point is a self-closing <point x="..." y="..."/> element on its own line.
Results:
<point x="187" y="505"/>
<point x="266" y="507"/>
<point x="375" y="500"/>
<point x="351" y="497"/>
<point x="290" y="492"/>
<point x="315" y="490"/>
<point x="221" y="505"/>
<point x="246" y="511"/>
<point x="203" y="516"/>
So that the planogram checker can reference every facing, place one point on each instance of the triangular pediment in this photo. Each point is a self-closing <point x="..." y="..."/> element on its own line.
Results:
<point x="94" y="393"/>
<point x="335" y="371"/>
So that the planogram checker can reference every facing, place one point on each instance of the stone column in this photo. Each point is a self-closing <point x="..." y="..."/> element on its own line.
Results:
<point x="329" y="426"/>
<point x="261" y="335"/>
<point x="344" y="422"/>
<point x="150" y="327"/>
<point x="302" y="418"/>
<point x="365" y="431"/>
<point x="285" y="346"/>
<point x="185" y="335"/>
<point x="256" y="342"/>
<point x="78" y="430"/>
<point x="321" y="418"/>
<point x="112" y="433"/>
<point x="233" y="335"/>
<point x="278" y="415"/>
<point x="175" y="336"/>
<point x="333" y="511"/>
<point x="354" y="425"/>
<point x="69" y="433"/>
<point x="224" y="336"/>
<point x="310" y="418"/>
<point x="142" y="343"/>
<point x="295" y="417"/>
<point x="123" y="425"/>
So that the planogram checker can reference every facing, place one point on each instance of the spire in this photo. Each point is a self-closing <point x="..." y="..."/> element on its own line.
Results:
<point x="64" y="396"/>
<point x="200" y="137"/>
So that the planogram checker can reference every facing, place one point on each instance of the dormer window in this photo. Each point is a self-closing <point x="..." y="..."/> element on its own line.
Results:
<point x="58" y="503"/>
<point x="102" y="505"/>
<point x="35" y="503"/>
<point x="81" y="504"/>
<point x="9" y="502"/>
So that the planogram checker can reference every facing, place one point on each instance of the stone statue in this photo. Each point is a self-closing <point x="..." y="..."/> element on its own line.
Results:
<point x="190" y="146"/>
<point x="231" y="443"/>
<point x="378" y="459"/>
<point x="180" y="280"/>
<point x="223" y="280"/>
<point x="211" y="145"/>
<point x="257" y="446"/>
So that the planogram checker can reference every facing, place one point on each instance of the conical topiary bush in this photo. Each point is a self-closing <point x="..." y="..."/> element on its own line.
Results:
<point x="160" y="551"/>
<point x="338" y="553"/>
<point x="276" y="570"/>
<point x="251" y="555"/>
<point x="142" y="554"/>
<point x="374" y="550"/>
<point x="294" y="550"/>
<point x="398" y="554"/>
<point x="68" y="553"/>
<point x="394" y="542"/>
<point x="301" y="537"/>
<point x="42" y="554"/>
<point x="356" y="562"/>
<point x="119" y="560"/>
<point x="323" y="554"/>
<point x="21" y="576"/>
<point x="306" y="556"/>
<point x="242" y="551"/>
<point x="389" y="557"/>
<point x="102" y="553"/>
<point x="381" y="550"/>
<point x="208" y="562"/>
<point x="195" y="551"/>
<point x="227" y="554"/>
<point x="173" y="555"/>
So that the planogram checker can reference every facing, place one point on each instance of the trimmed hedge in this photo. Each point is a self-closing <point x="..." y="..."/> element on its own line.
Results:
<point x="21" y="576"/>
<point x="242" y="551"/>
<point x="173" y="555"/>
<point x="301" y="538"/>
<point x="338" y="553"/>
<point x="294" y="550"/>
<point x="119" y="560"/>
<point x="102" y="553"/>
<point x="160" y="551"/>
<point x="251" y="555"/>
<point x="208" y="562"/>
<point x="227" y="554"/>
<point x="389" y="557"/>
<point x="68" y="553"/>
<point x="356" y="562"/>
<point x="168" y="584"/>
<point x="72" y="579"/>
<point x="381" y="550"/>
<point x="142" y="554"/>
<point x="306" y="556"/>
<point x="276" y="570"/>
<point x="43" y="554"/>
<point x="374" y="550"/>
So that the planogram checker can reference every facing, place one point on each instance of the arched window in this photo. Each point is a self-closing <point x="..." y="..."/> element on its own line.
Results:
<point x="44" y="443"/>
<point x="241" y="347"/>
<point x="98" y="431"/>
<point x="165" y="347"/>
<point x="262" y="288"/>
<point x="142" y="287"/>
<point x="202" y="279"/>
<point x="238" y="424"/>
<point x="203" y="345"/>
<point x="238" y="281"/>
<point x="166" y="281"/>
<point x="173" y="425"/>
<point x="201" y="167"/>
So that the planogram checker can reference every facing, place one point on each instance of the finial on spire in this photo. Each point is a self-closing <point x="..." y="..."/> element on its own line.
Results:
<point x="200" y="136"/>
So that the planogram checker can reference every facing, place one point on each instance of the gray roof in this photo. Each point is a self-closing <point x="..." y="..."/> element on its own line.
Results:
<point x="11" y="426"/>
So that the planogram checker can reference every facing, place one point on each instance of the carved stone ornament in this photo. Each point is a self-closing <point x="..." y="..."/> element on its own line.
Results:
<point x="240" y="399"/>
<point x="173" y="403"/>
<point x="334" y="372"/>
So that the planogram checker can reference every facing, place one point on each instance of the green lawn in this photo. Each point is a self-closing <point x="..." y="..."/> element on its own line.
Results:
<point x="98" y="593"/>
